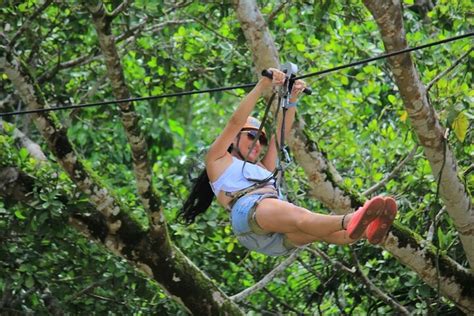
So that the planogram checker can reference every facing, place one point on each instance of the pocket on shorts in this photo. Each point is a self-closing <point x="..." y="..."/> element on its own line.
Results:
<point x="239" y="215"/>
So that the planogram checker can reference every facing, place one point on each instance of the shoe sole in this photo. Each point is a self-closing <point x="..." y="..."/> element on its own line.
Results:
<point x="386" y="218"/>
<point x="371" y="213"/>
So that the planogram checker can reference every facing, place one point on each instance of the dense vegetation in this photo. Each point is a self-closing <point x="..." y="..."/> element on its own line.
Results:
<point x="355" y="116"/>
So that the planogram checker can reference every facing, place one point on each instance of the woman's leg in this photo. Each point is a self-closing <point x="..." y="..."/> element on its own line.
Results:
<point x="279" y="216"/>
<point x="302" y="226"/>
<point x="338" y="238"/>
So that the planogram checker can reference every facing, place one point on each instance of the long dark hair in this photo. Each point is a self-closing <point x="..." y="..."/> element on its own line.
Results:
<point x="200" y="198"/>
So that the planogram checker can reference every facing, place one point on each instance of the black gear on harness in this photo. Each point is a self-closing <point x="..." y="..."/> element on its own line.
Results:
<point x="284" y="159"/>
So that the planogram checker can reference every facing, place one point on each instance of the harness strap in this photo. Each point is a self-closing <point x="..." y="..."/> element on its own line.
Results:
<point x="282" y="153"/>
<point x="238" y="194"/>
<point x="254" y="142"/>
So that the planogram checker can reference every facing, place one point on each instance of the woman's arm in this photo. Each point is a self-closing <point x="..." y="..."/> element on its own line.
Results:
<point x="237" y="121"/>
<point x="224" y="140"/>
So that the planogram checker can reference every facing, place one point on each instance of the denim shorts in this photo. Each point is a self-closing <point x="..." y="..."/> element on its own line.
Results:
<point x="248" y="232"/>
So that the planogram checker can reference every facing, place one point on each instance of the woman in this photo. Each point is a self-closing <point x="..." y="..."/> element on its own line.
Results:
<point x="261" y="220"/>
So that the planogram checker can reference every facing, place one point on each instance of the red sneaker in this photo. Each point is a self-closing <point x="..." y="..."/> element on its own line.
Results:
<point x="364" y="216"/>
<point x="378" y="229"/>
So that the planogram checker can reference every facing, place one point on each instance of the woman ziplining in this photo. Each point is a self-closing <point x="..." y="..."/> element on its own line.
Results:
<point x="261" y="219"/>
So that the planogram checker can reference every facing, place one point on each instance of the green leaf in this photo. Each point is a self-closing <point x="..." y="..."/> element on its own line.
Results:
<point x="19" y="215"/>
<point x="344" y="80"/>
<point x="152" y="63"/>
<point x="9" y="128"/>
<point x="22" y="7"/>
<point x="360" y="76"/>
<point x="301" y="47"/>
<point x="460" y="126"/>
<point x="29" y="283"/>
<point x="23" y="153"/>
<point x="180" y="84"/>
<point x="424" y="290"/>
<point x="182" y="31"/>
<point x="391" y="98"/>
<point x="176" y="128"/>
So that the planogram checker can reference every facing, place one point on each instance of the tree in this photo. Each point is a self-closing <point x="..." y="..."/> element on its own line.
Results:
<point x="104" y="207"/>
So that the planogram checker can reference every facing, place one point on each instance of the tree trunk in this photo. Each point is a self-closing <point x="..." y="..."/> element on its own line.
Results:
<point x="149" y="249"/>
<point x="430" y="133"/>
<point x="130" y="119"/>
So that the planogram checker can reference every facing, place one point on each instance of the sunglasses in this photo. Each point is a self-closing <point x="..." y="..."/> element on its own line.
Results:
<point x="252" y="134"/>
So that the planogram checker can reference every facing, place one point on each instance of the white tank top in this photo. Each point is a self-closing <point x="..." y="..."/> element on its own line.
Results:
<point x="234" y="178"/>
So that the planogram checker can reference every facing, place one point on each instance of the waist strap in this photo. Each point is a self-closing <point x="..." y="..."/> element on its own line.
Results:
<point x="238" y="194"/>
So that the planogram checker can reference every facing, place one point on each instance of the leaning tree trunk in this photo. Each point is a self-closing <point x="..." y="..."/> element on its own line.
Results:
<point x="149" y="249"/>
<point x="326" y="186"/>
<point x="428" y="129"/>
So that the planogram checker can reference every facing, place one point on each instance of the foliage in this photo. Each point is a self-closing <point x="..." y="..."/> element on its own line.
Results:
<point x="355" y="115"/>
<point x="48" y="266"/>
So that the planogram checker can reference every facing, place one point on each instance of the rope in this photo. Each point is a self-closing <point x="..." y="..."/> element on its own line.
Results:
<point x="242" y="86"/>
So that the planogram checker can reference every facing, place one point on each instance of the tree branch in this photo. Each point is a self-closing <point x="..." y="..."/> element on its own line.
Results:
<point x="130" y="120"/>
<point x="124" y="5"/>
<point x="376" y="290"/>
<point x="176" y="5"/>
<point x="173" y="271"/>
<point x="274" y="13"/>
<point x="323" y="255"/>
<point x="107" y="299"/>
<point x="33" y="149"/>
<point x="209" y="28"/>
<point x="468" y="169"/>
<point x="95" y="53"/>
<point x="392" y="174"/>
<point x="447" y="70"/>
<point x="431" y="230"/>
<point x="87" y="289"/>
<point x="358" y="273"/>
<point x="84" y="59"/>
<point x="26" y="24"/>
<point x="8" y="101"/>
<point x="268" y="278"/>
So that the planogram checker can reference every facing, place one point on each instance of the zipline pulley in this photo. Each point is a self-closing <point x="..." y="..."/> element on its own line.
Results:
<point x="284" y="91"/>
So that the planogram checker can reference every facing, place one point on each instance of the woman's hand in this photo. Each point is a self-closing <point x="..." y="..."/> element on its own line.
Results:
<point x="298" y="87"/>
<point x="278" y="78"/>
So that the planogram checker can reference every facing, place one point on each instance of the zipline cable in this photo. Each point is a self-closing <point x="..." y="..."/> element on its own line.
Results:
<point x="398" y="52"/>
<point x="162" y="96"/>
<point x="242" y="86"/>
